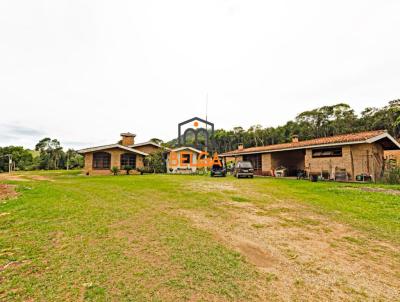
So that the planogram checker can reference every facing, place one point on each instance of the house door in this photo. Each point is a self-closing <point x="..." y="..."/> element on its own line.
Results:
<point x="255" y="160"/>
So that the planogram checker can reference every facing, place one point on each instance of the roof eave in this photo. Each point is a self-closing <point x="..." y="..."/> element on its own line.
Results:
<point x="295" y="148"/>
<point x="100" y="148"/>
<point x="382" y="136"/>
<point x="183" y="148"/>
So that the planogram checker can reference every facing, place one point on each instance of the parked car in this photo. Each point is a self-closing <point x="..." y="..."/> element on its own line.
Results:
<point x="243" y="169"/>
<point x="217" y="170"/>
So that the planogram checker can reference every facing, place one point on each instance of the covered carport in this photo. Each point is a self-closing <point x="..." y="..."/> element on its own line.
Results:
<point x="293" y="161"/>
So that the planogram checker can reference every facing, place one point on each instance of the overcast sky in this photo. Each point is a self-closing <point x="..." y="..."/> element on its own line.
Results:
<point x="84" y="71"/>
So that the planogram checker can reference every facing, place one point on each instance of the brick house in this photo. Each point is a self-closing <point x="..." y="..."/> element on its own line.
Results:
<point x="349" y="154"/>
<point x="99" y="160"/>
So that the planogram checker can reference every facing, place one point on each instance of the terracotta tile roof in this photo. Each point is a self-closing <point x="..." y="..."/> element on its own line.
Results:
<point x="337" y="139"/>
<point x="112" y="146"/>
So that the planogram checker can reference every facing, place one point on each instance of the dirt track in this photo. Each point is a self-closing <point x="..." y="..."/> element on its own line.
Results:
<point x="307" y="256"/>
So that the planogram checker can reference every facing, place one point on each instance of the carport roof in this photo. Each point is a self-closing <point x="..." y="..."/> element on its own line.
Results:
<point x="337" y="140"/>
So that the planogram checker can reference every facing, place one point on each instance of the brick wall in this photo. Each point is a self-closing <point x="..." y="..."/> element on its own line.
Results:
<point x="368" y="158"/>
<point x="329" y="164"/>
<point x="115" y="162"/>
<point x="147" y="149"/>
<point x="128" y="140"/>
<point x="356" y="159"/>
<point x="266" y="164"/>
<point x="393" y="155"/>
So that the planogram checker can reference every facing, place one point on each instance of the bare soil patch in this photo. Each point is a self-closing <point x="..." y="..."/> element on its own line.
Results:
<point x="210" y="186"/>
<point x="381" y="190"/>
<point x="23" y="177"/>
<point x="39" y="177"/>
<point x="378" y="190"/>
<point x="12" y="177"/>
<point x="10" y="265"/>
<point x="7" y="191"/>
<point x="309" y="256"/>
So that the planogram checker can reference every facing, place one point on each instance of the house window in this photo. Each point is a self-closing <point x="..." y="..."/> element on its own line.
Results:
<point x="101" y="160"/>
<point x="128" y="159"/>
<point x="186" y="158"/>
<point x="329" y="152"/>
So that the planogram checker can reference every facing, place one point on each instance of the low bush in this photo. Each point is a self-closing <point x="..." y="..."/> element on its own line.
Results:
<point x="115" y="170"/>
<point x="392" y="176"/>
<point x="128" y="169"/>
<point x="145" y="169"/>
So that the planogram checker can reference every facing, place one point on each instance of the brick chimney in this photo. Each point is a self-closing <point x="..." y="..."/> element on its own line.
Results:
<point x="240" y="147"/>
<point x="295" y="138"/>
<point x="128" y="139"/>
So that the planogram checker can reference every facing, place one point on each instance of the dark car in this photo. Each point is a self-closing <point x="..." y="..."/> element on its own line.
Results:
<point x="218" y="170"/>
<point x="243" y="169"/>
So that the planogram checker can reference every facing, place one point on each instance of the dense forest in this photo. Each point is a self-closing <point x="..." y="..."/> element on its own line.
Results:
<point x="319" y="122"/>
<point x="48" y="155"/>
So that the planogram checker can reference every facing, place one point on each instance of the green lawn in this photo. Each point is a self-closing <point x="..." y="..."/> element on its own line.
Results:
<point x="75" y="238"/>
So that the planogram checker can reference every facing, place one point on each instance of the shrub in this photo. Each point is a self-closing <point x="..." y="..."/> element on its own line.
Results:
<point x="146" y="169"/>
<point x="392" y="176"/>
<point x="115" y="170"/>
<point x="128" y="169"/>
<point x="155" y="162"/>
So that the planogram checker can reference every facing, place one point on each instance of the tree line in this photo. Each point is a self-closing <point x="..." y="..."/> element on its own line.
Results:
<point x="48" y="155"/>
<point x="320" y="122"/>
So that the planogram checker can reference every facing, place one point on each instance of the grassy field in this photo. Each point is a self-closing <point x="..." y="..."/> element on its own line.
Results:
<point x="68" y="237"/>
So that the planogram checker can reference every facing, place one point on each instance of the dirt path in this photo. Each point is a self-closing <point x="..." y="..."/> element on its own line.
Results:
<point x="7" y="191"/>
<point x="23" y="177"/>
<point x="307" y="257"/>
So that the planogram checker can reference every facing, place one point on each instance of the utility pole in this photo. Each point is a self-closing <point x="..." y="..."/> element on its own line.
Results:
<point x="10" y="162"/>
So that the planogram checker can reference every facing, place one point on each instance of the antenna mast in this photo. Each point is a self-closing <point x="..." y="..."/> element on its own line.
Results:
<point x="207" y="140"/>
<point x="206" y="108"/>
